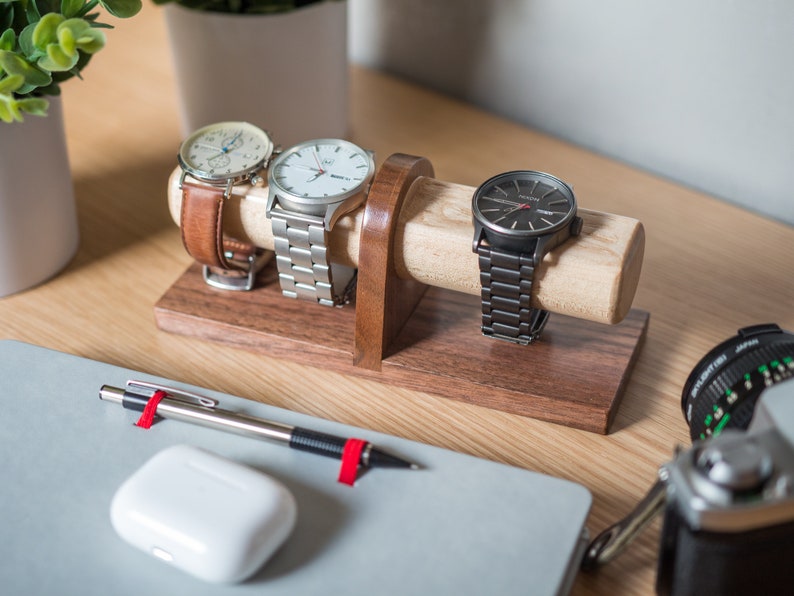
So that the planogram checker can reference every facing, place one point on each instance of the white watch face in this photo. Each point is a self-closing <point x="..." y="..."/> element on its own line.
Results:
<point x="226" y="150"/>
<point x="322" y="169"/>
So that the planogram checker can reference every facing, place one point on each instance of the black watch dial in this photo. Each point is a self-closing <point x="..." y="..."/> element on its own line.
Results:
<point x="524" y="203"/>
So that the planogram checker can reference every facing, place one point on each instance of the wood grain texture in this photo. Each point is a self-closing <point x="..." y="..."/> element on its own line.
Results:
<point x="574" y="376"/>
<point x="593" y="276"/>
<point x="708" y="268"/>
<point x="385" y="301"/>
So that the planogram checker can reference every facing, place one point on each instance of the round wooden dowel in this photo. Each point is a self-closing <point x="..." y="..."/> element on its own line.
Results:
<point x="592" y="277"/>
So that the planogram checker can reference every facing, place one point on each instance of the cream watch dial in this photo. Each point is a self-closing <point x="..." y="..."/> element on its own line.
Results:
<point x="324" y="168"/>
<point x="226" y="150"/>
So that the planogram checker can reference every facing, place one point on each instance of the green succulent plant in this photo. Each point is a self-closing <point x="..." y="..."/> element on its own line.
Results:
<point x="241" y="6"/>
<point x="45" y="42"/>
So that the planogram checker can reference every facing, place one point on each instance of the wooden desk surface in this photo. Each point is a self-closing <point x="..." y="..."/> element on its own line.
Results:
<point x="709" y="269"/>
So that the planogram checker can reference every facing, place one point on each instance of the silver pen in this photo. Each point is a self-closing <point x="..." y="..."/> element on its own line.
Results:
<point x="192" y="408"/>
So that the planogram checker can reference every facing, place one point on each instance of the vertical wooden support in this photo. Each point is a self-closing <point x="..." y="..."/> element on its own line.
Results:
<point x="384" y="301"/>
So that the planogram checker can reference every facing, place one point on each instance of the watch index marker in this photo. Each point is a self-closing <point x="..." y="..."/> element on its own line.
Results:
<point x="534" y="186"/>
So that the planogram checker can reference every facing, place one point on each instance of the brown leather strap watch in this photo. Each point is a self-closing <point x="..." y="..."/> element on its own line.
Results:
<point x="228" y="263"/>
<point x="213" y="159"/>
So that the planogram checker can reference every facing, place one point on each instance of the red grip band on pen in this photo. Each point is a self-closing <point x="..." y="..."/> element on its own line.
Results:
<point x="351" y="456"/>
<point x="147" y="418"/>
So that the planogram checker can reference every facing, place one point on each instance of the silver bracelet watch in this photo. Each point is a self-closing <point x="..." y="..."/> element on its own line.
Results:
<point x="312" y="185"/>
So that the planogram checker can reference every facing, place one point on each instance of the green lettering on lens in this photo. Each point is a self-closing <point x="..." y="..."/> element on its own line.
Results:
<point x="722" y="424"/>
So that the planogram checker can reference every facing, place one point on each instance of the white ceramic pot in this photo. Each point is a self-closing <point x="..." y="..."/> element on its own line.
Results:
<point x="286" y="72"/>
<point x="38" y="218"/>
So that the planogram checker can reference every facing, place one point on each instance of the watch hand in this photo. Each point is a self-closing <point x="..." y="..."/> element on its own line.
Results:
<point x="518" y="208"/>
<point x="232" y="142"/>
<point x="206" y="146"/>
<point x="317" y="161"/>
<point x="303" y="167"/>
<point x="505" y="201"/>
<point x="510" y="212"/>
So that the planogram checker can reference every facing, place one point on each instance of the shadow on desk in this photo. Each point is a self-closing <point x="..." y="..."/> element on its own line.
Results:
<point x="121" y="207"/>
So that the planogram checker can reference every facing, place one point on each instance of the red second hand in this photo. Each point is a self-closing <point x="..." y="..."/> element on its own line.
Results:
<point x="317" y="161"/>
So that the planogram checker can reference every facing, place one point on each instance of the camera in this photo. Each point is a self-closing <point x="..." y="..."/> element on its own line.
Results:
<point x="728" y="501"/>
<point x="729" y="515"/>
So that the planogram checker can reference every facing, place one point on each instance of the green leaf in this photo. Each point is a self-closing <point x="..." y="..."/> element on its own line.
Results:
<point x="14" y="64"/>
<point x="11" y="108"/>
<point x="71" y="8"/>
<point x="66" y="39"/>
<point x="5" y="111"/>
<point x="57" y="60"/>
<point x="8" y="39"/>
<point x="32" y="12"/>
<point x="122" y="9"/>
<point x="10" y="84"/>
<point x="36" y="106"/>
<point x="78" y="33"/>
<point x="45" y="31"/>
<point x="25" y="42"/>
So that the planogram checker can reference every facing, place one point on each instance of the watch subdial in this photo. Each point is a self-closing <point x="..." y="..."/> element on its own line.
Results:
<point x="219" y="161"/>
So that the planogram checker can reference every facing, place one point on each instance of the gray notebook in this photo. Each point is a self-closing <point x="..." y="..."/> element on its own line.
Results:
<point x="460" y="525"/>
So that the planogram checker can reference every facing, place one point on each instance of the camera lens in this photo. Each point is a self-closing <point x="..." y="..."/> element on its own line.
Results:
<point x="722" y="389"/>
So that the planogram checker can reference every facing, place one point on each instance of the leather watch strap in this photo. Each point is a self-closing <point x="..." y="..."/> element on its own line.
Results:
<point x="506" y="278"/>
<point x="229" y="264"/>
<point x="201" y="222"/>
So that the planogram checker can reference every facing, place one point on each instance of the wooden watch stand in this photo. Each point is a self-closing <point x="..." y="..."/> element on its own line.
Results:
<point x="405" y="333"/>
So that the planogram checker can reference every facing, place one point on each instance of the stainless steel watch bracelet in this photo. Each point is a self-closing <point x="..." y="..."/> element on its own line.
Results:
<point x="304" y="269"/>
<point x="506" y="279"/>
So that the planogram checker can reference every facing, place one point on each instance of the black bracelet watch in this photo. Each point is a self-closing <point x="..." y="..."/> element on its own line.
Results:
<point x="518" y="217"/>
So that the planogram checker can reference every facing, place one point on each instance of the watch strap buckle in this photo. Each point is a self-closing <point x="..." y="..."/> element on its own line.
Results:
<point x="240" y="278"/>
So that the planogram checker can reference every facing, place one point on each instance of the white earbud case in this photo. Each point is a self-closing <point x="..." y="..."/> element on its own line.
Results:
<point x="207" y="515"/>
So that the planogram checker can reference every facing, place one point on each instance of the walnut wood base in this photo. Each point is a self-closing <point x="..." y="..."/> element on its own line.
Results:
<point x="575" y="375"/>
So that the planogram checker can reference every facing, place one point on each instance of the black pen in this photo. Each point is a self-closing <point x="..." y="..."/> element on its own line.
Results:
<point x="203" y="411"/>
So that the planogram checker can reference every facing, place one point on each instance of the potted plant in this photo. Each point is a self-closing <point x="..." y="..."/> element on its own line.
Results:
<point x="42" y="44"/>
<point x="45" y="42"/>
<point x="286" y="70"/>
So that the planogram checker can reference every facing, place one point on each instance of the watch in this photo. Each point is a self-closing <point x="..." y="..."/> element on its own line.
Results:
<point x="213" y="159"/>
<point x="518" y="217"/>
<point x="312" y="185"/>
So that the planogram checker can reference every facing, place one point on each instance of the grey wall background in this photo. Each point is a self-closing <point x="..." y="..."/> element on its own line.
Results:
<point x="699" y="91"/>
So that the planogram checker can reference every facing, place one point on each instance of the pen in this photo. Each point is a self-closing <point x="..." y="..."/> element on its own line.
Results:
<point x="203" y="411"/>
